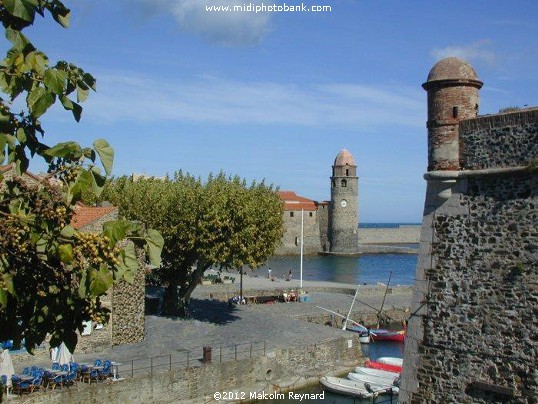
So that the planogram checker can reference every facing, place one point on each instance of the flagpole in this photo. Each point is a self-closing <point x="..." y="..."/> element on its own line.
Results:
<point x="302" y="236"/>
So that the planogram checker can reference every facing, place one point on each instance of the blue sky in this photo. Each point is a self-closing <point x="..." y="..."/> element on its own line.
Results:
<point x="277" y="95"/>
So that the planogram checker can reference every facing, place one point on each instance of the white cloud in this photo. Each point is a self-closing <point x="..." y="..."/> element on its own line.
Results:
<point x="477" y="52"/>
<point x="139" y="98"/>
<point x="221" y="27"/>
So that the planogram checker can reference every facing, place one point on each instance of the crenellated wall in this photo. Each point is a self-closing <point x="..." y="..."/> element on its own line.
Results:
<point x="502" y="140"/>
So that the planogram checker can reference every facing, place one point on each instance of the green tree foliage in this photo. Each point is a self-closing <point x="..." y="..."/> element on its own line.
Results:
<point x="51" y="275"/>
<point x="222" y="222"/>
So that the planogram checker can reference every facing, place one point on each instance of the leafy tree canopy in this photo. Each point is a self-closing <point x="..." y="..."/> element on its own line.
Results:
<point x="222" y="222"/>
<point x="51" y="275"/>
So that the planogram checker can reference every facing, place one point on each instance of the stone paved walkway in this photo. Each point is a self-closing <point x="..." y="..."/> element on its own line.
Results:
<point x="215" y="324"/>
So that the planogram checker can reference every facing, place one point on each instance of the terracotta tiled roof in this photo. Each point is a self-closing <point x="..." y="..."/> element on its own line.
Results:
<point x="292" y="201"/>
<point x="9" y="168"/>
<point x="85" y="215"/>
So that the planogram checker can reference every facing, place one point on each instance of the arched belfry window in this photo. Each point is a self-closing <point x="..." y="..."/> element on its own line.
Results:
<point x="344" y="183"/>
<point x="347" y="172"/>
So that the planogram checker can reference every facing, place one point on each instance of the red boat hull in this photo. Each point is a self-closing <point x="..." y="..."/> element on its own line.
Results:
<point x="383" y="366"/>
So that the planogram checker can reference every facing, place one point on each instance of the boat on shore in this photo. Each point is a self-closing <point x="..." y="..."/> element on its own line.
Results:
<point x="345" y="386"/>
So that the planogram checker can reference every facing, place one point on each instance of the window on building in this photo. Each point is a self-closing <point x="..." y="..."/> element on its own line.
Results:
<point x="454" y="112"/>
<point x="291" y="214"/>
<point x="296" y="240"/>
<point x="344" y="183"/>
<point x="347" y="172"/>
<point x="311" y="214"/>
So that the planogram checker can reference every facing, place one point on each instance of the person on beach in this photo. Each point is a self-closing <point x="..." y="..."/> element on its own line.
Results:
<point x="289" y="276"/>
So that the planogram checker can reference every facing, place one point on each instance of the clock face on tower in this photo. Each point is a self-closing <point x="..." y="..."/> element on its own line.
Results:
<point x="343" y="203"/>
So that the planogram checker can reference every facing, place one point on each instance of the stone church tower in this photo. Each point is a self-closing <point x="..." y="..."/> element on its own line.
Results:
<point x="344" y="206"/>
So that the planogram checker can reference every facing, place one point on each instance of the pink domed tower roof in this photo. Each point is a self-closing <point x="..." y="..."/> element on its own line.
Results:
<point x="344" y="158"/>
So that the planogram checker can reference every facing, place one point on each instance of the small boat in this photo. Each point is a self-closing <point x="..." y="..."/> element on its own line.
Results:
<point x="388" y="335"/>
<point x="381" y="380"/>
<point x="378" y="384"/>
<point x="364" y="333"/>
<point x="376" y="372"/>
<point x="377" y="334"/>
<point x="346" y="386"/>
<point x="357" y="328"/>
<point x="390" y="360"/>
<point x="383" y="366"/>
<point x="364" y="338"/>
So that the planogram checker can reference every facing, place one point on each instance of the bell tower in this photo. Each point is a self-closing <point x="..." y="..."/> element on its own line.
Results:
<point x="344" y="207"/>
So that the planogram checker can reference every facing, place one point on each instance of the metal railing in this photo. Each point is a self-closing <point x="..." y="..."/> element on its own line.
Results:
<point x="189" y="358"/>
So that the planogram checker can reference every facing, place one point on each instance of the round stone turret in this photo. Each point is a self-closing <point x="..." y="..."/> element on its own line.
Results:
<point x="452" y="88"/>
<point x="344" y="207"/>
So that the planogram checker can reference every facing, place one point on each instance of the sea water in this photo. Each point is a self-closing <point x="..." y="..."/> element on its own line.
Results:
<point x="363" y="269"/>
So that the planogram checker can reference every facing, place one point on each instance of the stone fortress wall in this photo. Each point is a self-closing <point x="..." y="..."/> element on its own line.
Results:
<point x="291" y="240"/>
<point x="472" y="330"/>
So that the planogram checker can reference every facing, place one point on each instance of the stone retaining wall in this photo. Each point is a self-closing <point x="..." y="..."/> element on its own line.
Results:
<point x="200" y="383"/>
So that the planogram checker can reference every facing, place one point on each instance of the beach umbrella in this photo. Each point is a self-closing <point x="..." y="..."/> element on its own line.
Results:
<point x="63" y="356"/>
<point x="6" y="365"/>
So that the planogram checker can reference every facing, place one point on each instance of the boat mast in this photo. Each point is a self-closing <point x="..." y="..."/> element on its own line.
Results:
<point x="302" y="248"/>
<point x="350" y="308"/>
<point x="383" y="302"/>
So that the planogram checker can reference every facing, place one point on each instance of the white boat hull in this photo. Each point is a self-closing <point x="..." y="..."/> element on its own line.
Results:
<point x="345" y="386"/>
<point x="378" y="384"/>
<point x="376" y="372"/>
<point x="364" y="339"/>
<point x="388" y="360"/>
